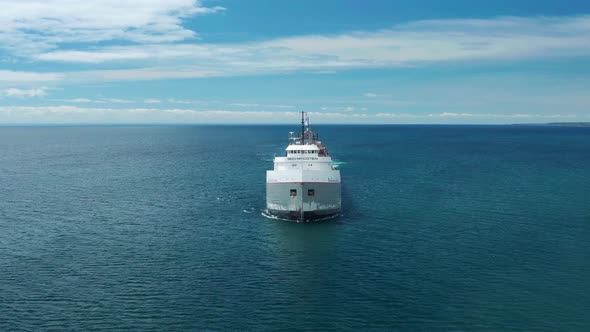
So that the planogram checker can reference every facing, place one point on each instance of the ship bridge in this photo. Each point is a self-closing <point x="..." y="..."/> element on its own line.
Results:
<point x="298" y="150"/>
<point x="306" y="143"/>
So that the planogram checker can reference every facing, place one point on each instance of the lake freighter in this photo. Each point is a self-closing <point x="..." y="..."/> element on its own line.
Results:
<point x="304" y="185"/>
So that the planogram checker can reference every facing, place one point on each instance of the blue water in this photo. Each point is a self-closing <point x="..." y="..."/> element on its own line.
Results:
<point x="154" y="228"/>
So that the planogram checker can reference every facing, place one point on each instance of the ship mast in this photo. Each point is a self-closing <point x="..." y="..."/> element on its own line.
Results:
<point x="302" y="129"/>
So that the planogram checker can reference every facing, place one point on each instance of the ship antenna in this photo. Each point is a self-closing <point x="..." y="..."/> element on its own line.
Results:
<point x="302" y="130"/>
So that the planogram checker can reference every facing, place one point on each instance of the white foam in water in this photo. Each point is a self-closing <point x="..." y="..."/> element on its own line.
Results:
<point x="328" y="218"/>
<point x="337" y="164"/>
<point x="266" y="214"/>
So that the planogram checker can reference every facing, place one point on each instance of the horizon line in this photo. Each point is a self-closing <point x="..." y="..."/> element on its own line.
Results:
<point x="139" y="124"/>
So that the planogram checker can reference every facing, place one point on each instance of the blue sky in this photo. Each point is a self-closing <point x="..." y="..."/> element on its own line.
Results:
<point x="235" y="61"/>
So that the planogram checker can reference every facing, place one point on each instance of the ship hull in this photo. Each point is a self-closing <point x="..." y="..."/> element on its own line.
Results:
<point x="304" y="201"/>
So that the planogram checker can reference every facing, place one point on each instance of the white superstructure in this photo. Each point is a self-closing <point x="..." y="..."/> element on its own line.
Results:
<point x="303" y="163"/>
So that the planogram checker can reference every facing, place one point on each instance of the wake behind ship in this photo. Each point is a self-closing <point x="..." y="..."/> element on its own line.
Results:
<point x="304" y="185"/>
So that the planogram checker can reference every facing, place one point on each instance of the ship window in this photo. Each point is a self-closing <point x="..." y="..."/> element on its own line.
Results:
<point x="293" y="192"/>
<point x="311" y="192"/>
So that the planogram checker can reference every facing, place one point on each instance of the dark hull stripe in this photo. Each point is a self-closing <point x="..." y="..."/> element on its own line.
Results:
<point x="307" y="215"/>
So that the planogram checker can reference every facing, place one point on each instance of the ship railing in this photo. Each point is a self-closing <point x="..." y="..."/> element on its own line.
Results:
<point x="308" y="137"/>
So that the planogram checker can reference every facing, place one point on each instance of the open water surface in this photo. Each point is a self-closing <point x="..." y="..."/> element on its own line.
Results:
<point x="154" y="228"/>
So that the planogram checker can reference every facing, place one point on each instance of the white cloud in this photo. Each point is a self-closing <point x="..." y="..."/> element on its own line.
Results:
<point x="95" y="101"/>
<point x="373" y="95"/>
<point x="76" y="114"/>
<point x="181" y="112"/>
<point x="474" y="115"/>
<point x="140" y="74"/>
<point x="30" y="25"/>
<point x="22" y="77"/>
<point x="403" y="45"/>
<point x="244" y="105"/>
<point x="398" y="115"/>
<point x="25" y="93"/>
<point x="261" y="105"/>
<point x="30" y="111"/>
<point x="80" y="100"/>
<point x="471" y="115"/>
<point x="117" y="100"/>
<point x="149" y="57"/>
<point x="215" y="102"/>
<point x="186" y="102"/>
<point x="343" y="108"/>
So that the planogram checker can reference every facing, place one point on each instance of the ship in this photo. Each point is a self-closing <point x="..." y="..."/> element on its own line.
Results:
<point x="304" y="185"/>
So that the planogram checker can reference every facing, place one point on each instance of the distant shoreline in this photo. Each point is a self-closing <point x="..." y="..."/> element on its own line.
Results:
<point x="558" y="124"/>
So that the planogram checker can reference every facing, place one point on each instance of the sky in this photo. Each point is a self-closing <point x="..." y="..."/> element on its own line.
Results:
<point x="262" y="61"/>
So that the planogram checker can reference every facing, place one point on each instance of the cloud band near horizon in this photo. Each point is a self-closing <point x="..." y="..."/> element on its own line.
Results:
<point x="74" y="114"/>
